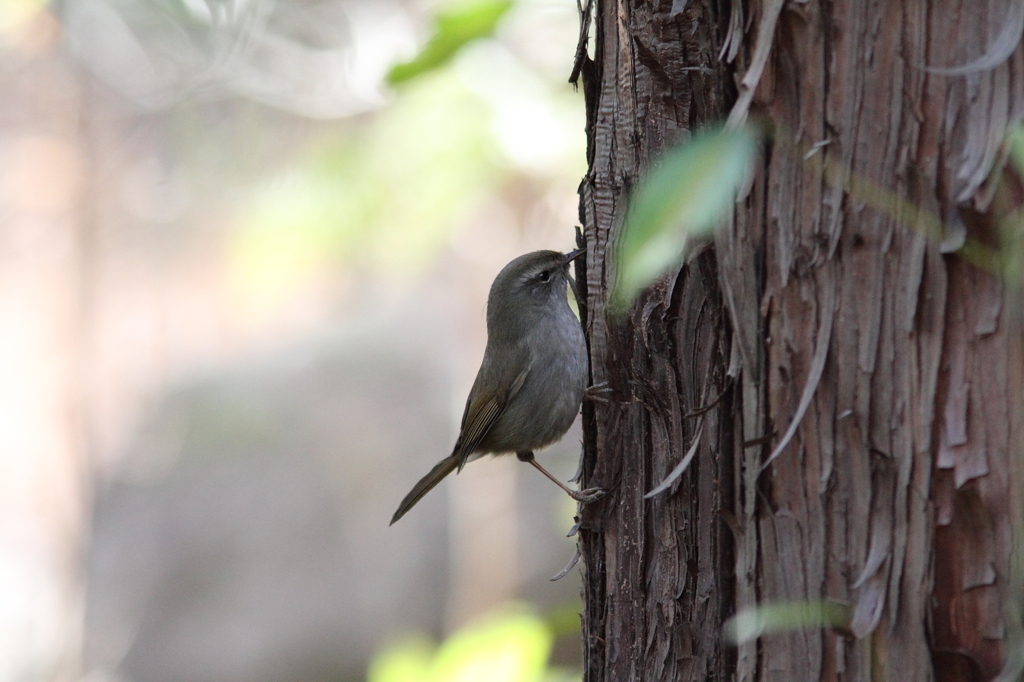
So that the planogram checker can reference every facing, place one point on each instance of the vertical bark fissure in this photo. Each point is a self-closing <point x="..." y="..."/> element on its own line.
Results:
<point x="656" y="559"/>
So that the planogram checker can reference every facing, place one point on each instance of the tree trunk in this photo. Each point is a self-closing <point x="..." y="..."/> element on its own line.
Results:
<point x="878" y="364"/>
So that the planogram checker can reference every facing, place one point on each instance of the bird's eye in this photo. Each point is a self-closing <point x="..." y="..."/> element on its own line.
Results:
<point x="544" y="275"/>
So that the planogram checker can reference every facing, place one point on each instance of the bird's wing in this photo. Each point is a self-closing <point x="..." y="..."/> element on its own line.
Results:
<point x="477" y="420"/>
<point x="480" y="416"/>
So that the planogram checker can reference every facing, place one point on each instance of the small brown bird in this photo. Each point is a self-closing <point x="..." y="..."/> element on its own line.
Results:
<point x="534" y="372"/>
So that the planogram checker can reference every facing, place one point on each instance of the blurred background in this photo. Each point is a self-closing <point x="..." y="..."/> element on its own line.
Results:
<point x="245" y="247"/>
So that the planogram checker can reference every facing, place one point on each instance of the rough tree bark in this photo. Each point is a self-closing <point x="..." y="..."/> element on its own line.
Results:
<point x="840" y="294"/>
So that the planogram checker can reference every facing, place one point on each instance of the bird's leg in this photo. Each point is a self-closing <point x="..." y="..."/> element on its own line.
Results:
<point x="584" y="496"/>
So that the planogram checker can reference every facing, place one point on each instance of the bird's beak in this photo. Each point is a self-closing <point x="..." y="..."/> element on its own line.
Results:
<point x="572" y="255"/>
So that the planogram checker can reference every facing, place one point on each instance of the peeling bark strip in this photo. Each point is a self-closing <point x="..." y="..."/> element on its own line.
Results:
<point x="898" y="492"/>
<point x="851" y="514"/>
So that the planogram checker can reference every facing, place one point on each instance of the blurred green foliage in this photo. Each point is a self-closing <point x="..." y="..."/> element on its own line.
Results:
<point x="751" y="623"/>
<point x="1015" y="141"/>
<point x="687" y="194"/>
<point x="510" y="646"/>
<point x="385" y="191"/>
<point x="453" y="28"/>
<point x="384" y="195"/>
<point x="1013" y="222"/>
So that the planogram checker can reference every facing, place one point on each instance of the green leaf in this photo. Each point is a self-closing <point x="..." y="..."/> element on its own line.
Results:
<point x="690" y="190"/>
<point x="453" y="29"/>
<point x="508" y="647"/>
<point x="405" y="661"/>
<point x="751" y="623"/>
<point x="1015" y="138"/>
<point x="1012" y="224"/>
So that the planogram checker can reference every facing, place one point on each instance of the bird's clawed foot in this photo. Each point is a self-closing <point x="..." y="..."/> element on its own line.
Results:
<point x="597" y="392"/>
<point x="584" y="496"/>
<point x="587" y="496"/>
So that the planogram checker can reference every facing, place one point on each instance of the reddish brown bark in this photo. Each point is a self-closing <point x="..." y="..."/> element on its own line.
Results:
<point x="839" y="279"/>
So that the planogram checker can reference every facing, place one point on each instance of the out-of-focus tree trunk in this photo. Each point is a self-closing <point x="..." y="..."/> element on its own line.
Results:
<point x="840" y="292"/>
<point x="44" y="483"/>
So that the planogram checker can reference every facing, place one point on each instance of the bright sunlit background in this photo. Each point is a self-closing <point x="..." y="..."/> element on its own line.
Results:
<point x="242" y="289"/>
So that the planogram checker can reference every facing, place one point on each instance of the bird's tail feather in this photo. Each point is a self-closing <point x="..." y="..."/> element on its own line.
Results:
<point x="425" y="485"/>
